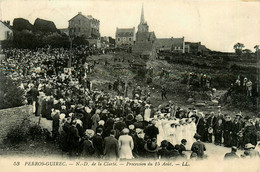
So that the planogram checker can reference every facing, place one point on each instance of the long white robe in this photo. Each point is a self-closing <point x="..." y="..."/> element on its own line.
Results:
<point x="189" y="136"/>
<point x="126" y="145"/>
<point x="179" y="135"/>
<point x="147" y="114"/>
<point x="160" y="136"/>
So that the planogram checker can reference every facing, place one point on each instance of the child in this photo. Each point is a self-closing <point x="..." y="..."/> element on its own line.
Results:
<point x="240" y="140"/>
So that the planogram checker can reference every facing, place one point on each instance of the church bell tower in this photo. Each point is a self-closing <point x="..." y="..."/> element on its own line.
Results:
<point x="143" y="27"/>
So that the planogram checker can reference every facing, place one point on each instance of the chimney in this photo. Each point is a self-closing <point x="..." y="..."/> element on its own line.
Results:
<point x="80" y="13"/>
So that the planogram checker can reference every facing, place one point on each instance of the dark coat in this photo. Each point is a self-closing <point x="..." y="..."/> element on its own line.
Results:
<point x="55" y="123"/>
<point x="139" y="143"/>
<point x="151" y="132"/>
<point x="87" y="148"/>
<point x="87" y="122"/>
<point x="73" y="137"/>
<point x="98" y="144"/>
<point x="111" y="148"/>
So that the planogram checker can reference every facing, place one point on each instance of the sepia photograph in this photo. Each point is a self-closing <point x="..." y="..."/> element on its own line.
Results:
<point x="151" y="85"/>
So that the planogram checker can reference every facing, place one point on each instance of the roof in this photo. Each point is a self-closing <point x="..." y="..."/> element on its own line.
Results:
<point x="151" y="35"/>
<point x="124" y="32"/>
<point x="169" y="42"/>
<point x="87" y="17"/>
<point x="8" y="26"/>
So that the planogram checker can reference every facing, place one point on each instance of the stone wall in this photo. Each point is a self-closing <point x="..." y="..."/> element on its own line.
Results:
<point x="13" y="117"/>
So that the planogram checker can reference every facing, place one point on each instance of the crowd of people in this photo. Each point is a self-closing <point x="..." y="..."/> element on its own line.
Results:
<point x="92" y="123"/>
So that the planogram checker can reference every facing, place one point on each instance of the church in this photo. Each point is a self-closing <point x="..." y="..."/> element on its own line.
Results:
<point x="145" y="40"/>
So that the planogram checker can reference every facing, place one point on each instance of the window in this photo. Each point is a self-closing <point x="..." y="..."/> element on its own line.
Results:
<point x="118" y="39"/>
<point x="130" y="39"/>
<point x="79" y="29"/>
<point x="79" y="21"/>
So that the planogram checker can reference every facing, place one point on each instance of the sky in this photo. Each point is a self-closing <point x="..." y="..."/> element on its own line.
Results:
<point x="218" y="24"/>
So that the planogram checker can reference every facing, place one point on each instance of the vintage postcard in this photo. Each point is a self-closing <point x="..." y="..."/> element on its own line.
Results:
<point x="129" y="85"/>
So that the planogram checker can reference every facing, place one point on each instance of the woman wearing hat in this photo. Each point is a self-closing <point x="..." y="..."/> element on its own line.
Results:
<point x="251" y="151"/>
<point x="95" y="118"/>
<point x="139" y="122"/>
<point x="126" y="145"/>
<point x="151" y="148"/>
<point x="87" y="146"/>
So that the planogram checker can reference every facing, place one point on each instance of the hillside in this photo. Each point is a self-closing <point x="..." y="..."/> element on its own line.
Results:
<point x="222" y="71"/>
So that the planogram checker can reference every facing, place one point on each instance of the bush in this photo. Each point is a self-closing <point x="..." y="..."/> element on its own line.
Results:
<point x="19" y="133"/>
<point x="16" y="135"/>
<point x="10" y="94"/>
<point x="36" y="132"/>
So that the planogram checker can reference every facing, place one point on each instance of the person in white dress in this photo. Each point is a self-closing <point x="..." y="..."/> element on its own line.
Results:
<point x="172" y="134"/>
<point x="179" y="133"/>
<point x="193" y="129"/>
<point x="147" y="112"/>
<point x="126" y="145"/>
<point x="190" y="133"/>
<point x="160" y="136"/>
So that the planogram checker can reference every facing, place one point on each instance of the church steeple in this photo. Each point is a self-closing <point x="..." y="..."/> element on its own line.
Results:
<point x="143" y="27"/>
<point x="142" y="15"/>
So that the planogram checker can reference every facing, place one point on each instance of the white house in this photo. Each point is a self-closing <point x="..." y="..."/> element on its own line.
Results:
<point x="5" y="32"/>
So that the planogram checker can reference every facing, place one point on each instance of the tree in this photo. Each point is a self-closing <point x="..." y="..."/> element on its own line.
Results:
<point x="256" y="47"/>
<point x="247" y="51"/>
<point x="238" y="48"/>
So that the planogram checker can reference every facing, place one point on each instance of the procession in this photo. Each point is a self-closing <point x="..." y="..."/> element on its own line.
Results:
<point x="104" y="85"/>
<point x="90" y="123"/>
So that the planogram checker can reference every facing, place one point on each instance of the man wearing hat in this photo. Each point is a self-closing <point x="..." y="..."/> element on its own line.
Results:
<point x="198" y="146"/>
<point x="210" y="123"/>
<point x="227" y="134"/>
<point x="98" y="143"/>
<point x="73" y="139"/>
<point x="235" y="131"/>
<point x="202" y="129"/>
